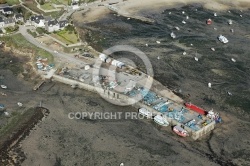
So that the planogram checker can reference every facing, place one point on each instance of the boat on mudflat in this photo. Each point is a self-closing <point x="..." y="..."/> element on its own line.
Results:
<point x="161" y="120"/>
<point x="223" y="39"/>
<point x="195" y="108"/>
<point x="180" y="131"/>
<point x="145" y="112"/>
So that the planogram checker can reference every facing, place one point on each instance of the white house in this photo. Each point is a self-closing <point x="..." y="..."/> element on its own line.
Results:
<point x="37" y="21"/>
<point x="75" y="5"/>
<point x="54" y="25"/>
<point x="19" y="17"/>
<point x="8" y="22"/>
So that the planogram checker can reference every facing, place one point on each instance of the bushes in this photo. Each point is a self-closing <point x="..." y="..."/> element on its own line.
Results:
<point x="11" y="29"/>
<point x="32" y="33"/>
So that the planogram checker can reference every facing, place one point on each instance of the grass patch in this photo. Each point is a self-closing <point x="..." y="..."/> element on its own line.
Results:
<point x="13" y="2"/>
<point x="67" y="36"/>
<point x="47" y="6"/>
<point x="17" y="41"/>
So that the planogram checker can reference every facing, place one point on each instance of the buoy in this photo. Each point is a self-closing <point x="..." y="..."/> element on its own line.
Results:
<point x="209" y="85"/>
<point x="158" y="57"/>
<point x="169" y="12"/>
<point x="229" y="11"/>
<point x="187" y="17"/>
<point x="215" y="14"/>
<point x="195" y="58"/>
<point x="147" y="45"/>
<point x="128" y="18"/>
<point x="215" y="28"/>
<point x="191" y="44"/>
<point x="183" y="12"/>
<point x="121" y="164"/>
<point x="240" y="15"/>
<point x="184" y="53"/>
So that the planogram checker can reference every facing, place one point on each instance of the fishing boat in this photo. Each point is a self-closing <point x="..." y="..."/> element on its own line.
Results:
<point x="161" y="120"/>
<point x="195" y="108"/>
<point x="222" y="39"/>
<point x="145" y="112"/>
<point x="209" y="21"/>
<point x="3" y="86"/>
<point x="180" y="131"/>
<point x="173" y="35"/>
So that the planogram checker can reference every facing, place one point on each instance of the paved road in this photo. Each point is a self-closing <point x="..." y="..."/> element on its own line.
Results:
<point x="66" y="57"/>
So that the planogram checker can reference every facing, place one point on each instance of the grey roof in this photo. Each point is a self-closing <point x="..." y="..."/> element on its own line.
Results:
<point x="7" y="9"/>
<point x="47" y="18"/>
<point x="9" y="20"/>
<point x="52" y="22"/>
<point x="18" y="16"/>
<point x="63" y="23"/>
<point x="37" y="18"/>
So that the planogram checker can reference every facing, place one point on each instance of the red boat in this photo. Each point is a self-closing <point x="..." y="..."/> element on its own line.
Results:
<point x="180" y="131"/>
<point x="209" y="21"/>
<point x="196" y="108"/>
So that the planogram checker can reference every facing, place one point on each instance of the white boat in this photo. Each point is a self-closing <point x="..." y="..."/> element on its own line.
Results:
<point x="3" y="86"/>
<point x="173" y="35"/>
<point x="213" y="49"/>
<point x="232" y="59"/>
<point x="230" y="22"/>
<point x="215" y="14"/>
<point x="222" y="39"/>
<point x="20" y="104"/>
<point x="158" y="42"/>
<point x="161" y="120"/>
<point x="145" y="112"/>
<point x="187" y="17"/>
<point x="177" y="28"/>
<point x="183" y="22"/>
<point x="196" y="59"/>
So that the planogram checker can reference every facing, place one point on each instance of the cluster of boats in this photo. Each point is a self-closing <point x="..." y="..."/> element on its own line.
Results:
<point x="162" y="121"/>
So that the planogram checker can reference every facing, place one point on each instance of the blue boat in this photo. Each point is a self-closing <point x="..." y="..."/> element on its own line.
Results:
<point x="2" y="106"/>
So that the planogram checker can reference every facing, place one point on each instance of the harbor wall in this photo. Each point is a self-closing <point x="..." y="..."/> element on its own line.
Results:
<point x="117" y="98"/>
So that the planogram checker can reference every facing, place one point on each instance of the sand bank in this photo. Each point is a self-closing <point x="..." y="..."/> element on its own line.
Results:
<point x="216" y="5"/>
<point x="96" y="12"/>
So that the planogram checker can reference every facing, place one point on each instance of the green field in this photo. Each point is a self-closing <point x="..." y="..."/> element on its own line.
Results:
<point x="47" y="6"/>
<point x="12" y="2"/>
<point x="19" y="42"/>
<point x="66" y="36"/>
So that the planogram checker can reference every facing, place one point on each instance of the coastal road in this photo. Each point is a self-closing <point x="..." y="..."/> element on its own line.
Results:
<point x="60" y="55"/>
